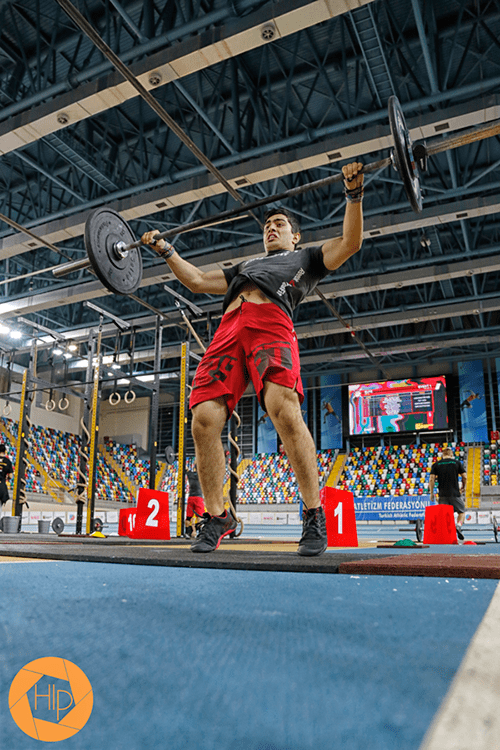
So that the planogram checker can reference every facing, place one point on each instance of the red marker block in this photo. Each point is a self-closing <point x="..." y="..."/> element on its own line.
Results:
<point x="341" y="529"/>
<point x="439" y="525"/>
<point x="153" y="516"/>
<point x="126" y="521"/>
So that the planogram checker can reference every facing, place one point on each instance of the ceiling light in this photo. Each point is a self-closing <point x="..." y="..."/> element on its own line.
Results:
<point x="16" y="335"/>
<point x="4" y="328"/>
<point x="57" y="351"/>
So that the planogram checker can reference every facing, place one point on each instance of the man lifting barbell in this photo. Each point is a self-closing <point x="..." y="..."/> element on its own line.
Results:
<point x="256" y="341"/>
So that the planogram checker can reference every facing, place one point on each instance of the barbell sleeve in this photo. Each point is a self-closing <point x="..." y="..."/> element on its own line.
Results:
<point x="448" y="142"/>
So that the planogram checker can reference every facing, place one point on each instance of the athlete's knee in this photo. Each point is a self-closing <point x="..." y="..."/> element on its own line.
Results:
<point x="209" y="416"/>
<point x="283" y="407"/>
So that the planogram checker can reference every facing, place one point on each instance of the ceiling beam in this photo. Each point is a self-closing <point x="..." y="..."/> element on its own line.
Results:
<point x="331" y="150"/>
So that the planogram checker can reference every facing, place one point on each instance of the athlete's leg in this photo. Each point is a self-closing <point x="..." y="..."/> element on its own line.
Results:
<point x="283" y="407"/>
<point x="209" y="418"/>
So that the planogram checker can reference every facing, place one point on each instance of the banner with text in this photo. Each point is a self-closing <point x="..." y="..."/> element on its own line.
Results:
<point x="394" y="508"/>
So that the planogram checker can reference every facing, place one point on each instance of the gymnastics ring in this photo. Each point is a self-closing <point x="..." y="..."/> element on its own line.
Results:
<point x="235" y="534"/>
<point x="63" y="403"/>
<point x="131" y="399"/>
<point x="114" y="398"/>
<point x="7" y="410"/>
<point x="50" y="405"/>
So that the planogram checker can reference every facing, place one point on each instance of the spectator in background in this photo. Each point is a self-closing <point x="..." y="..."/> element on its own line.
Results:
<point x="6" y="471"/>
<point x="447" y="471"/>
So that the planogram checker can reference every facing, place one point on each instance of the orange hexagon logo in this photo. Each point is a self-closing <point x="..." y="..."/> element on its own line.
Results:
<point x="51" y="699"/>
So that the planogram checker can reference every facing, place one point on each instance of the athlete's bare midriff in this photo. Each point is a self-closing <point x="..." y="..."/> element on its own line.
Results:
<point x="251" y="293"/>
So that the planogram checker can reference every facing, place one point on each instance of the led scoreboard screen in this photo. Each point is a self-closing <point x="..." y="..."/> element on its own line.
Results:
<point x="398" y="406"/>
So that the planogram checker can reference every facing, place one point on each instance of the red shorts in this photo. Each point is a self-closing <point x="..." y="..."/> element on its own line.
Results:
<point x="253" y="342"/>
<point x="195" y="505"/>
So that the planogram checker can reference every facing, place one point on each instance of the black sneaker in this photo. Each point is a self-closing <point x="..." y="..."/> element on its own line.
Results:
<point x="212" y="531"/>
<point x="460" y="533"/>
<point x="313" y="541"/>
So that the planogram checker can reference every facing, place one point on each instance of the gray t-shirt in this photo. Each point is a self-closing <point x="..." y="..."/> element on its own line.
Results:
<point x="285" y="277"/>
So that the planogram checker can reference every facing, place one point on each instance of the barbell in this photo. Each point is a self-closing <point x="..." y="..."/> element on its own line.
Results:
<point x="113" y="252"/>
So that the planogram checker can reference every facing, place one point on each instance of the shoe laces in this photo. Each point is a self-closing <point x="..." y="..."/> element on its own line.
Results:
<point x="312" y="521"/>
<point x="200" y="526"/>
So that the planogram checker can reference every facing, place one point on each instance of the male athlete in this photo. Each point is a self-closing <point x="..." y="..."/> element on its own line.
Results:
<point x="447" y="471"/>
<point x="256" y="341"/>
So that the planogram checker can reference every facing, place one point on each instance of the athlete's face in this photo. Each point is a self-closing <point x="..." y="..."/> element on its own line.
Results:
<point x="278" y="234"/>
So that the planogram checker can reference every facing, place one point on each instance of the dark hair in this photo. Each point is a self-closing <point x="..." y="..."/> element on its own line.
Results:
<point x="294" y="223"/>
<point x="2" y="447"/>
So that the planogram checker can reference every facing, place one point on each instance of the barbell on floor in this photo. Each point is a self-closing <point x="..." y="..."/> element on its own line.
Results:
<point x="170" y="455"/>
<point x="113" y="252"/>
<point x="58" y="525"/>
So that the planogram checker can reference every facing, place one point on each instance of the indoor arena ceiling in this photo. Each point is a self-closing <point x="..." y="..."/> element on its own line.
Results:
<point x="275" y="94"/>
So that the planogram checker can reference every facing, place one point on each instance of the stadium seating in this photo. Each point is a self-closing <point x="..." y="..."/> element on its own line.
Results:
<point x="393" y="470"/>
<point x="490" y="463"/>
<point x="269" y="478"/>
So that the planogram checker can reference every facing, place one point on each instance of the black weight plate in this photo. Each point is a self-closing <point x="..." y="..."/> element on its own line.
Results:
<point x="403" y="154"/>
<point x="169" y="454"/>
<point x="495" y="528"/>
<point x="58" y="525"/>
<point x="97" y="524"/>
<point x="103" y="229"/>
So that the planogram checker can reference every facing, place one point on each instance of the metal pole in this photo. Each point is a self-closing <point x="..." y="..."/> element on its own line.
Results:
<point x="85" y="440"/>
<point x="234" y="453"/>
<point x="155" y="405"/>
<point x="181" y="471"/>
<point x="492" y="398"/>
<point x="94" y="429"/>
<point x="18" y="493"/>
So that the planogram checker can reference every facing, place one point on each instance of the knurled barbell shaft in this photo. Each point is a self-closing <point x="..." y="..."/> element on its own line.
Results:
<point x="435" y="146"/>
<point x="77" y="265"/>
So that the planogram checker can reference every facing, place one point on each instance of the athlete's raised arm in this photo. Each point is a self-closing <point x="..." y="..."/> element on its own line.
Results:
<point x="209" y="282"/>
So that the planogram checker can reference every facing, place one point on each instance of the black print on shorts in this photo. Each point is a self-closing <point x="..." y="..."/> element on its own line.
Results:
<point x="276" y="354"/>
<point x="220" y="366"/>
